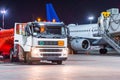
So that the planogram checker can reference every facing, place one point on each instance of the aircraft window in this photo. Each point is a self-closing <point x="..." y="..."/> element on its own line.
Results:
<point x="81" y="31"/>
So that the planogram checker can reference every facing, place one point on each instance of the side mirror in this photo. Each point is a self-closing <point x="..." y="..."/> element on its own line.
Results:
<point x="68" y="31"/>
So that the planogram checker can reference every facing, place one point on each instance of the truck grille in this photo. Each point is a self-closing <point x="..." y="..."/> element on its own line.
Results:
<point x="54" y="55"/>
<point x="47" y="42"/>
<point x="50" y="50"/>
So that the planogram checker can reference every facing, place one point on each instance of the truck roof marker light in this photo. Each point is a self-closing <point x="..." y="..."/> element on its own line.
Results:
<point x="42" y="29"/>
<point x="39" y="19"/>
<point x="54" y="20"/>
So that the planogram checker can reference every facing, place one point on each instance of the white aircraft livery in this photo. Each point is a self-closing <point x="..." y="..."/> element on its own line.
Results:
<point x="81" y="37"/>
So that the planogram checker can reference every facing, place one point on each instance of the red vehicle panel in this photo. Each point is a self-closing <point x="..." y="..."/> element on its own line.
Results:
<point x="6" y="41"/>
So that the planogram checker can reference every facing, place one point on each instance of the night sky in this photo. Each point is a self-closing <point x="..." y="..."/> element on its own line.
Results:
<point x="69" y="11"/>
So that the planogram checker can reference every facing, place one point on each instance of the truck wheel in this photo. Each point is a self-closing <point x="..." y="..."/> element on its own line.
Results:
<point x="13" y="59"/>
<point x="59" y="62"/>
<point x="28" y="58"/>
<point x="11" y="56"/>
<point x="54" y="62"/>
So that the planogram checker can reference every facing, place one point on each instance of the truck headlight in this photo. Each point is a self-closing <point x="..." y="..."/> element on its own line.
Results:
<point x="35" y="51"/>
<point x="65" y="52"/>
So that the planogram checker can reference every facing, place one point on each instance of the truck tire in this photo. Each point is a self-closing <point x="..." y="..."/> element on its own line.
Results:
<point x="28" y="58"/>
<point x="25" y="60"/>
<point x="59" y="62"/>
<point x="13" y="59"/>
<point x="11" y="56"/>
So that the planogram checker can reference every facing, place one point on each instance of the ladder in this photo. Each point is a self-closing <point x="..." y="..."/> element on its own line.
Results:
<point x="111" y="42"/>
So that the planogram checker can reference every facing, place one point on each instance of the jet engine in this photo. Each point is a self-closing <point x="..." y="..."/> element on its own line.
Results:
<point x="80" y="44"/>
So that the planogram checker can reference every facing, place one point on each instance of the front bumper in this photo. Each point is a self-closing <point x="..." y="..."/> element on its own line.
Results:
<point x="49" y="53"/>
<point x="50" y="58"/>
<point x="54" y="58"/>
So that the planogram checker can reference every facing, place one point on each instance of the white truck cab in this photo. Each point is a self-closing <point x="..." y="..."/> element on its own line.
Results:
<point x="36" y="41"/>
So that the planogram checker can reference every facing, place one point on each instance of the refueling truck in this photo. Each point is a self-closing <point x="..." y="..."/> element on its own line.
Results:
<point x="38" y="41"/>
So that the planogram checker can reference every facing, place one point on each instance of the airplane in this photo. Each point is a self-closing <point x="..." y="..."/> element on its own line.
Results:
<point x="85" y="30"/>
<point x="82" y="37"/>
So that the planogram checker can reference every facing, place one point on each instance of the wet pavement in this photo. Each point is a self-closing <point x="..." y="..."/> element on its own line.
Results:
<point x="77" y="67"/>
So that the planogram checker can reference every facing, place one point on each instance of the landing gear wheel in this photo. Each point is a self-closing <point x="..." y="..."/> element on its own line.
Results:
<point x="103" y="51"/>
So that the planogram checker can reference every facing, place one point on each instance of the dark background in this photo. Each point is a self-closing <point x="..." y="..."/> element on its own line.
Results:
<point x="69" y="11"/>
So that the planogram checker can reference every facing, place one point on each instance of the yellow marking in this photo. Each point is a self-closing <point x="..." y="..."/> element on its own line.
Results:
<point x="106" y="14"/>
<point x="61" y="43"/>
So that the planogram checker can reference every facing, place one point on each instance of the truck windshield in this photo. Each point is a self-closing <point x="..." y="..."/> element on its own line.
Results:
<point x="39" y="30"/>
<point x="55" y="30"/>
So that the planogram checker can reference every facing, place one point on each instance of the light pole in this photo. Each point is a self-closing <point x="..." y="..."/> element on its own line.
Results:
<point x="3" y="12"/>
<point x="90" y="18"/>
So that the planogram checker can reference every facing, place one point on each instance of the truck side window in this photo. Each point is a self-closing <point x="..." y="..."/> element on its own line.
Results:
<point x="17" y="29"/>
<point x="23" y="30"/>
<point x="27" y="31"/>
